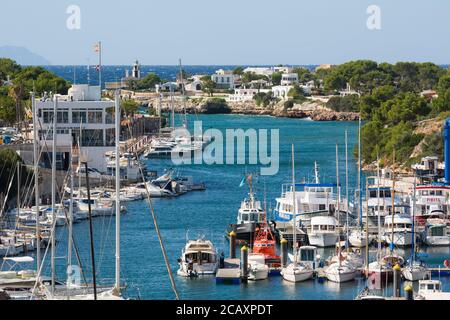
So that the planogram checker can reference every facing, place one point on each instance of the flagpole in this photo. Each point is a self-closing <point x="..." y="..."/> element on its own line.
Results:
<point x="100" y="64"/>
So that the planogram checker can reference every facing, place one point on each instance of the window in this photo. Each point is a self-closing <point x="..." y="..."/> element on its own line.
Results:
<point x="95" y="117"/>
<point x="91" y="138"/>
<point x="322" y="207"/>
<point x="79" y="116"/>
<point x="48" y="116"/>
<point x="245" y="217"/>
<point x="63" y="116"/>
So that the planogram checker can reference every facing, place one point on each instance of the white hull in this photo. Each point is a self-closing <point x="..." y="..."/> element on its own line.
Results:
<point x="258" y="272"/>
<point x="401" y="239"/>
<point x="341" y="276"/>
<point x="437" y="240"/>
<point x="294" y="274"/>
<point x="323" y="239"/>
<point x="198" y="270"/>
<point x="357" y="239"/>
<point x="415" y="273"/>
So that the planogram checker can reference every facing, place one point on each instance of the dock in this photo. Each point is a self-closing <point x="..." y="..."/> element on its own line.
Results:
<point x="230" y="274"/>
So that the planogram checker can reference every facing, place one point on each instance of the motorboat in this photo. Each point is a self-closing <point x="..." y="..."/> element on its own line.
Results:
<point x="257" y="270"/>
<point x="312" y="199"/>
<point x="323" y="231"/>
<point x="199" y="257"/>
<point x="250" y="217"/>
<point x="398" y="230"/>
<point x="436" y="233"/>
<point x="431" y="290"/>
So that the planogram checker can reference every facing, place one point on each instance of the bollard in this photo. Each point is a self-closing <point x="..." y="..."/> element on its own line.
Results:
<point x="397" y="279"/>
<point x="244" y="263"/>
<point x="232" y="245"/>
<point x="409" y="293"/>
<point x="284" y="252"/>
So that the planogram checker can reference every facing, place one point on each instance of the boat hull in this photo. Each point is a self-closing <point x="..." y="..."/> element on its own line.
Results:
<point x="437" y="240"/>
<point x="341" y="276"/>
<point x="323" y="239"/>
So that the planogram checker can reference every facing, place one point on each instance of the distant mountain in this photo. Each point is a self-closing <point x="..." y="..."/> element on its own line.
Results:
<point x="22" y="56"/>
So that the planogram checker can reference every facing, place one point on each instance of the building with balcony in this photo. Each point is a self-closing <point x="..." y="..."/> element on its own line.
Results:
<point x="84" y="120"/>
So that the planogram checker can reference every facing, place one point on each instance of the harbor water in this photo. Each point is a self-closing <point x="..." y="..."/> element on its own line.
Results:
<point x="209" y="212"/>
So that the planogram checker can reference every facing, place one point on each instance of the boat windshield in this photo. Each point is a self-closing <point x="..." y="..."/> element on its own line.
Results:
<point x="306" y="255"/>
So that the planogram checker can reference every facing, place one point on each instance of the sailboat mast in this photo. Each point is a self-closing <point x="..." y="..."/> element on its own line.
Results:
<point x="294" y="210"/>
<point x="346" y="188"/>
<point x="359" y="174"/>
<point x="414" y="222"/>
<point x="53" y="249"/>
<point x="173" y="108"/>
<point x="117" y="137"/>
<point x="393" y="201"/>
<point x="36" y="181"/>
<point x="378" y="208"/>
<point x="183" y="98"/>
<point x="338" y="202"/>
<point x="70" y="239"/>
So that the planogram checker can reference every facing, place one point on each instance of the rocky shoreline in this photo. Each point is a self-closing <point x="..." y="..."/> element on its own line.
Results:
<point x="315" y="111"/>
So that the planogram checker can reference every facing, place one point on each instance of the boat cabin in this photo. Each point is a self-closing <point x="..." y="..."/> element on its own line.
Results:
<point x="199" y="252"/>
<point x="324" y="225"/>
<point x="251" y="212"/>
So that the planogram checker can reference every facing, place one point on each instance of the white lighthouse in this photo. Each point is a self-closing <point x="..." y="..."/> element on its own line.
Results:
<point x="136" y="71"/>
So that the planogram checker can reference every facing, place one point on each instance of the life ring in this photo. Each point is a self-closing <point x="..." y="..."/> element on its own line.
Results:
<point x="446" y="263"/>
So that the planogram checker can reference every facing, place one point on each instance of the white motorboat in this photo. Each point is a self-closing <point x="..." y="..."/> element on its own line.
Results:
<point x="313" y="199"/>
<point x="436" y="233"/>
<point x="431" y="290"/>
<point x="323" y="231"/>
<point x="398" y="230"/>
<point x="199" y="257"/>
<point x="341" y="271"/>
<point x="98" y="207"/>
<point x="250" y="216"/>
<point x="257" y="270"/>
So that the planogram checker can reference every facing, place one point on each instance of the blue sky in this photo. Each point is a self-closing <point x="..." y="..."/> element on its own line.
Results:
<point x="231" y="31"/>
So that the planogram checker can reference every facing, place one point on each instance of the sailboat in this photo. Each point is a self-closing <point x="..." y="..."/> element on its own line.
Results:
<point x="381" y="269"/>
<point x="295" y="271"/>
<point x="415" y="270"/>
<point x="342" y="270"/>
<point x="357" y="237"/>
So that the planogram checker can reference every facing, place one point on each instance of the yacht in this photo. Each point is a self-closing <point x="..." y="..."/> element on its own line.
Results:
<point x="432" y="201"/>
<point x="398" y="230"/>
<point x="381" y="204"/>
<point x="199" y="257"/>
<point x="323" y="231"/>
<point x="436" y="233"/>
<point x="431" y="290"/>
<point x="312" y="199"/>
<point x="130" y="166"/>
<point x="250" y="216"/>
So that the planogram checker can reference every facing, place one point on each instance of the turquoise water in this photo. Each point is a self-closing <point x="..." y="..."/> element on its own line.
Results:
<point x="209" y="212"/>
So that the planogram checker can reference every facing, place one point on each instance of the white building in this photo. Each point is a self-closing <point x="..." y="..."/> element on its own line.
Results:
<point x="241" y="95"/>
<point x="81" y="109"/>
<point x="289" y="79"/>
<point x="281" y="91"/>
<point x="224" y="79"/>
